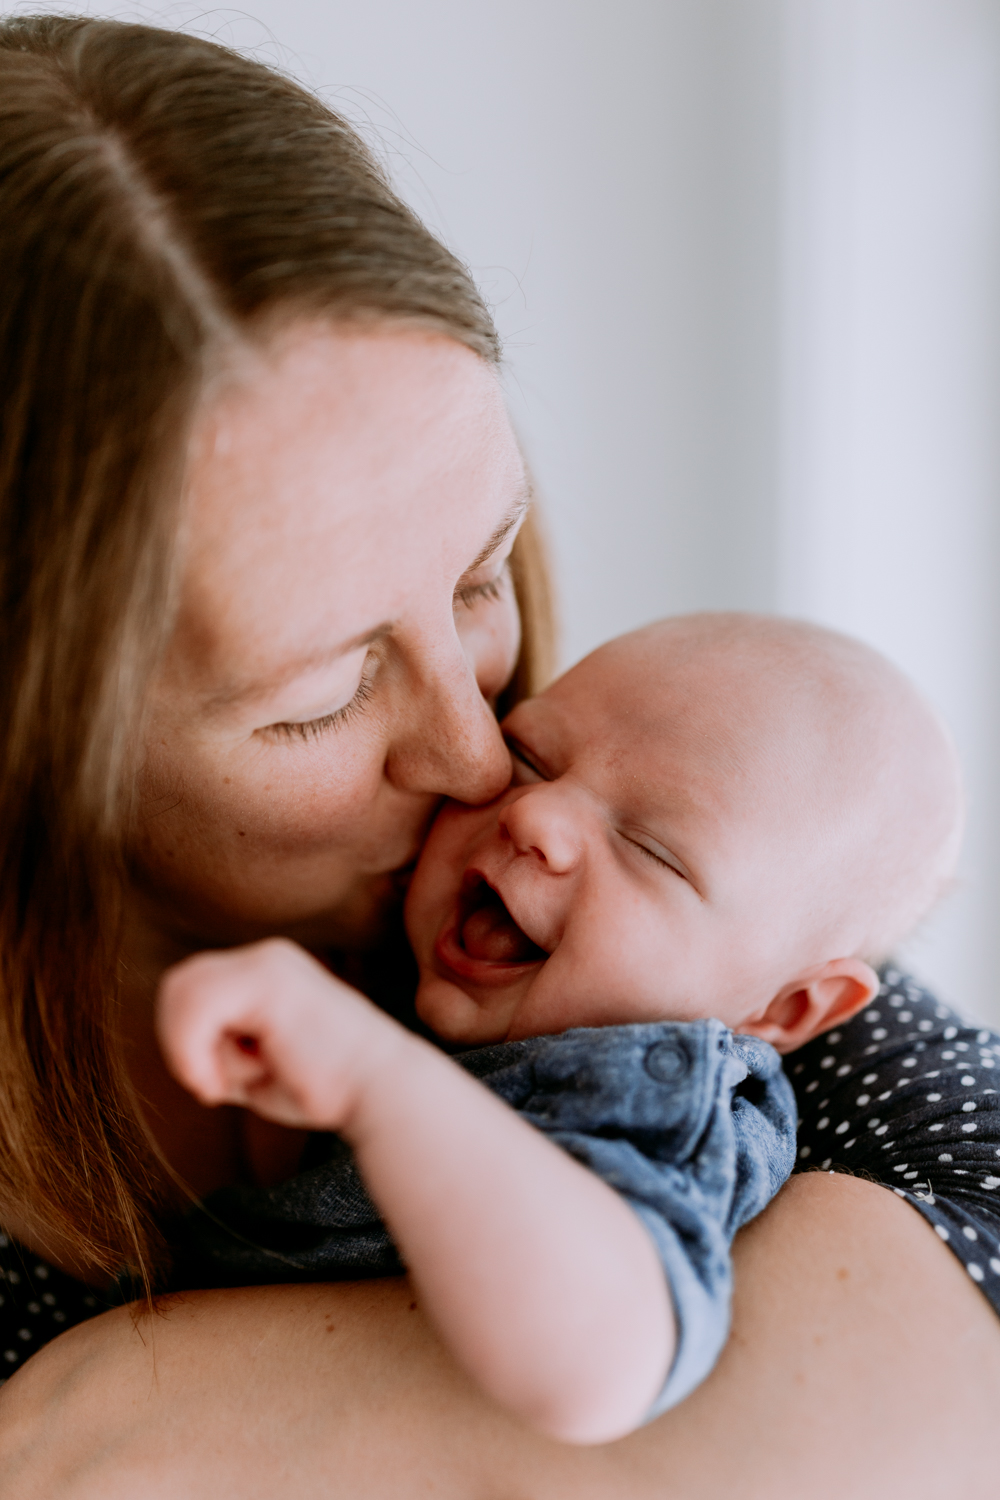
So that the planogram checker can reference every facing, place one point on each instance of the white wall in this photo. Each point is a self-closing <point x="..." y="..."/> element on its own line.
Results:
<point x="890" y="521"/>
<point x="744" y="255"/>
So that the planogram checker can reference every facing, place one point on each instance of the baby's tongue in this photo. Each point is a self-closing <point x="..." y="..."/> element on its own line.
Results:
<point x="491" y="933"/>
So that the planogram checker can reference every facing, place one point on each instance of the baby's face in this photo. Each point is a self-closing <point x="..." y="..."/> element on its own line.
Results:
<point x="646" y="862"/>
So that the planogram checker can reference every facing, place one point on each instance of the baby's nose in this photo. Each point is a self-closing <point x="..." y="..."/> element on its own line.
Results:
<point x="541" y="823"/>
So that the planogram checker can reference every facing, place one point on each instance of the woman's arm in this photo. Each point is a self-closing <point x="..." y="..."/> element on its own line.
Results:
<point x="863" y="1363"/>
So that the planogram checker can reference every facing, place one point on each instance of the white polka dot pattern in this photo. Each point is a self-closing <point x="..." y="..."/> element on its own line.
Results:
<point x="935" y="1138"/>
<point x="37" y="1302"/>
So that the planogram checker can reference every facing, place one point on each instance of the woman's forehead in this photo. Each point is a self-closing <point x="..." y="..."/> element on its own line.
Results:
<point x="338" y="475"/>
<point x="323" y="418"/>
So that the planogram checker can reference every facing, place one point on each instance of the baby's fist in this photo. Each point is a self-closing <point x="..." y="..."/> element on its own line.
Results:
<point x="266" y="1027"/>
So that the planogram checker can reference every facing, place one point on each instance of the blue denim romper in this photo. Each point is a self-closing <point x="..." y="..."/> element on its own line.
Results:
<point x="934" y="1139"/>
<point x="694" y="1127"/>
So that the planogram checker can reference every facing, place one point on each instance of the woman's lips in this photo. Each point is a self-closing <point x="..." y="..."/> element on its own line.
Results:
<point x="482" y="943"/>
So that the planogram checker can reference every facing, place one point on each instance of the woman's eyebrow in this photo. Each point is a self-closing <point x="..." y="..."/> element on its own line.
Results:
<point x="260" y="687"/>
<point x="513" y="518"/>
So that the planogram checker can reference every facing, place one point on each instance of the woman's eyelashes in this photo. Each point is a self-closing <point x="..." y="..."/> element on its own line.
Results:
<point x="475" y="593"/>
<point x="309" y="729"/>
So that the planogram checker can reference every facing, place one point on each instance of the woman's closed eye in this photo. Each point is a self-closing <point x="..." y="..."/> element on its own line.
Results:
<point x="351" y="702"/>
<point x="494" y="589"/>
<point x="356" y="695"/>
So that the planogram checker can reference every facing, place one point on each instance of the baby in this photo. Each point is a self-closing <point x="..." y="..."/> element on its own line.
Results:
<point x="714" y="828"/>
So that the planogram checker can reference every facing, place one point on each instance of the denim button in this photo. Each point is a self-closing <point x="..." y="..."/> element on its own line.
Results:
<point x="666" y="1062"/>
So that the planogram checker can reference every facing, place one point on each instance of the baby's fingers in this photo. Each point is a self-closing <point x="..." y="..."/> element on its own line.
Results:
<point x="208" y="1028"/>
<point x="267" y="1027"/>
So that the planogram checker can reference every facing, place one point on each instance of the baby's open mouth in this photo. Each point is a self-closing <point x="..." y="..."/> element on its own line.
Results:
<point x="487" y="931"/>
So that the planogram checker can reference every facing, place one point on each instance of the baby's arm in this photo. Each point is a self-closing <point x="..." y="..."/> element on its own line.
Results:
<point x="541" y="1281"/>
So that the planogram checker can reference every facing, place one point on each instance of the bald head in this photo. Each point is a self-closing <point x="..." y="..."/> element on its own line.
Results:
<point x="823" y="741"/>
<point x="720" y="815"/>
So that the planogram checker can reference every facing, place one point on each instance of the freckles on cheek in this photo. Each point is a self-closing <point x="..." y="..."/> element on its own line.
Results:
<point x="255" y="793"/>
<point x="289" y="809"/>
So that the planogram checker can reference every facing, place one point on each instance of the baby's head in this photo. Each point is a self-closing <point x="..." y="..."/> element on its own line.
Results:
<point x="719" y="815"/>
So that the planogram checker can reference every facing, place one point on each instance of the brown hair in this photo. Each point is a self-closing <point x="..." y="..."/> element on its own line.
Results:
<point x="159" y="196"/>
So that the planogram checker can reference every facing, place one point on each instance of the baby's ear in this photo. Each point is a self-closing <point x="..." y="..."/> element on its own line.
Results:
<point x="817" y="1000"/>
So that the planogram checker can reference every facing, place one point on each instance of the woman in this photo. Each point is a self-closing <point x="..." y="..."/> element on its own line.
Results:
<point x="262" y="562"/>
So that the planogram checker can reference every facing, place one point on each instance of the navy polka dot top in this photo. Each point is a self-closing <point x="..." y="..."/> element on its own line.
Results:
<point x="905" y="1095"/>
<point x="37" y="1302"/>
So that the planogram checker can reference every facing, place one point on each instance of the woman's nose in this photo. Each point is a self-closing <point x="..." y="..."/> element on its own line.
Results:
<point x="541" y="823"/>
<point x="448" y="743"/>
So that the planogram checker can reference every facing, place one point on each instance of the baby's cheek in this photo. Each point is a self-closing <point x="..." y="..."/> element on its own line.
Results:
<point x="434" y="889"/>
<point x="612" y="968"/>
<point x="431" y="893"/>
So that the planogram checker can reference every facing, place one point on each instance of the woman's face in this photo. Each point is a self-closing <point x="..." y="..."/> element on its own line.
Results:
<point x="345" y="618"/>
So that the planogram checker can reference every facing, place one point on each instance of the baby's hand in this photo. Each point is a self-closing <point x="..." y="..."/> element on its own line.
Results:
<point x="268" y="1028"/>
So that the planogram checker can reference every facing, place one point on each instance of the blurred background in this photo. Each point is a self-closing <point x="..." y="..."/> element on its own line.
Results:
<point x="745" y="256"/>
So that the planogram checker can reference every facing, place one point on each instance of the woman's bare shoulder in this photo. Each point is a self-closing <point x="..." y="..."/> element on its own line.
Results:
<point x="863" y="1361"/>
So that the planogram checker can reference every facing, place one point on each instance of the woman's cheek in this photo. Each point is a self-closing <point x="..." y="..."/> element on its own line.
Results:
<point x="238" y="801"/>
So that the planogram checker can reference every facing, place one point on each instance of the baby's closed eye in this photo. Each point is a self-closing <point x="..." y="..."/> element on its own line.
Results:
<point x="656" y="852"/>
<point x="525" y="769"/>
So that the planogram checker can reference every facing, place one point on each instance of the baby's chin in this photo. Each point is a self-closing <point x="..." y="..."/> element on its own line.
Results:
<point x="457" y="1018"/>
